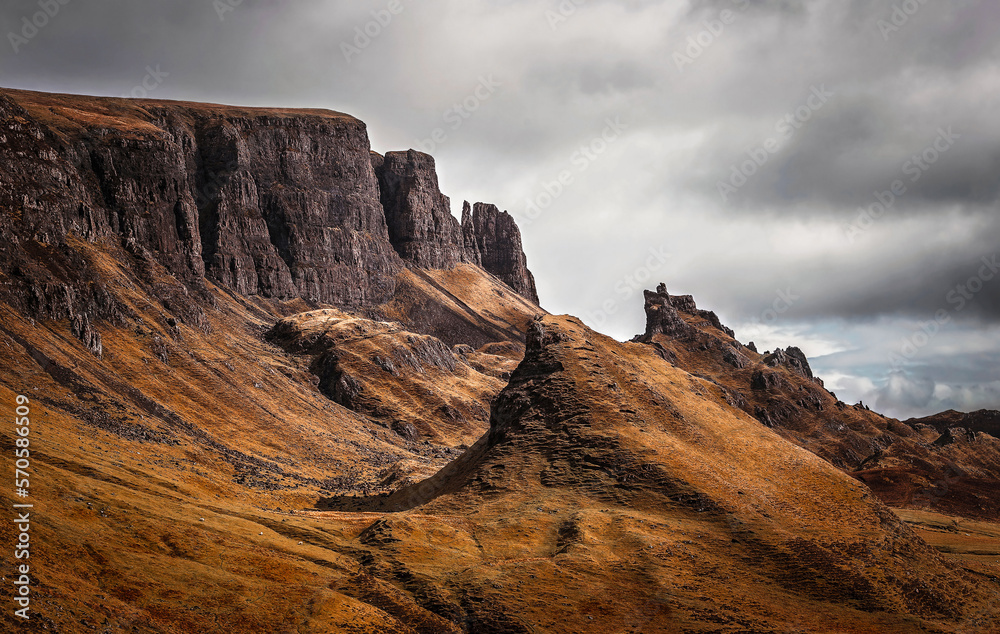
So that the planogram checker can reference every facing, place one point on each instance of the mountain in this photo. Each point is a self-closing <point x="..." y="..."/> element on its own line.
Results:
<point x="423" y="231"/>
<point x="279" y="204"/>
<point x="908" y="464"/>
<point x="274" y="385"/>
<point x="986" y="421"/>
<point x="617" y="490"/>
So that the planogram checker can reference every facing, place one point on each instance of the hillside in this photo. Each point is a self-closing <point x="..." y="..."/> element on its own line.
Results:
<point x="909" y="464"/>
<point x="615" y="490"/>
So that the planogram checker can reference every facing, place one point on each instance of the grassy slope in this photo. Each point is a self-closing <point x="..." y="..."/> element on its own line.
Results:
<point x="899" y="463"/>
<point x="175" y="479"/>
<point x="131" y="451"/>
<point x="618" y="493"/>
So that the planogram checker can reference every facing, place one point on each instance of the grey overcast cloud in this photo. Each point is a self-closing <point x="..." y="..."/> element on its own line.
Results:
<point x="820" y="173"/>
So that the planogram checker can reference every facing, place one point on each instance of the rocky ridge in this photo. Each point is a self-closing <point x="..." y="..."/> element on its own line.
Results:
<point x="601" y="455"/>
<point x="424" y="233"/>
<point x="904" y="462"/>
<point x="275" y="203"/>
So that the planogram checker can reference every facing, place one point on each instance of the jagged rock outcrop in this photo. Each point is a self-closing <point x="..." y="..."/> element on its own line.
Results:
<point x="686" y="304"/>
<point x="470" y="246"/>
<point x="735" y="358"/>
<point x="984" y="420"/>
<point x="680" y="302"/>
<point x="493" y="241"/>
<point x="394" y="376"/>
<point x="954" y="434"/>
<point x="81" y="329"/>
<point x="424" y="233"/>
<point x="895" y="459"/>
<point x="418" y="215"/>
<point x="766" y="380"/>
<point x="662" y="317"/>
<point x="793" y="359"/>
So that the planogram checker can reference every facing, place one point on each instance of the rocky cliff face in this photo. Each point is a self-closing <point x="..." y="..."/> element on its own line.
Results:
<point x="295" y="209"/>
<point x="280" y="203"/>
<point x="276" y="203"/>
<point x="493" y="241"/>
<point x="424" y="233"/>
<point x="421" y="227"/>
<point x="662" y="317"/>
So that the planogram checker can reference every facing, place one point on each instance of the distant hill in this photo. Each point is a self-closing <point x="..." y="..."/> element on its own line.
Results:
<point x="983" y="420"/>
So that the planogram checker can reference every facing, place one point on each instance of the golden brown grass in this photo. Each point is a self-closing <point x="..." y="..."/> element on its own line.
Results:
<point x="634" y="500"/>
<point x="76" y="114"/>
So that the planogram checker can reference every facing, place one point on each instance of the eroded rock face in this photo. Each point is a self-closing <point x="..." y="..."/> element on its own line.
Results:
<point x="984" y="420"/>
<point x="734" y="358"/>
<point x="277" y="203"/>
<point x="418" y="215"/>
<point x="81" y="329"/>
<point x="662" y="317"/>
<point x="425" y="234"/>
<point x="792" y="358"/>
<point x="393" y="376"/>
<point x="290" y="208"/>
<point x="268" y="202"/>
<point x="766" y="380"/>
<point x="493" y="241"/>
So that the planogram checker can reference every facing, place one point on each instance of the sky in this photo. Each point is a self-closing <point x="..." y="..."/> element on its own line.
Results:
<point x="820" y="173"/>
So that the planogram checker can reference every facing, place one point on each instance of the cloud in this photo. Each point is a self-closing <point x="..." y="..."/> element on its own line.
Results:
<point x="787" y="228"/>
<point x="904" y="393"/>
<point x="907" y="396"/>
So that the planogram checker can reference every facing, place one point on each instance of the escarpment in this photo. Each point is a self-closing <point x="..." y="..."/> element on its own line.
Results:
<point x="276" y="203"/>
<point x="424" y="233"/>
<point x="421" y="227"/>
<point x="493" y="240"/>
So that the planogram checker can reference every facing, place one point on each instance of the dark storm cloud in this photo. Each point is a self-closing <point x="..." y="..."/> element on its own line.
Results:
<point x="848" y="151"/>
<point x="907" y="395"/>
<point x="891" y="96"/>
<point x="908" y="279"/>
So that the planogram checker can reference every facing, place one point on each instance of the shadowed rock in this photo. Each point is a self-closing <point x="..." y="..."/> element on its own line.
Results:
<point x="662" y="317"/>
<point x="418" y="215"/>
<point x="493" y="241"/>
